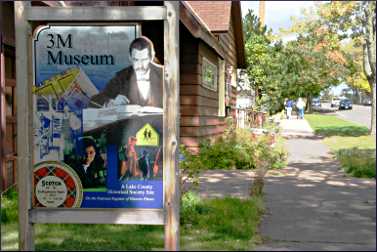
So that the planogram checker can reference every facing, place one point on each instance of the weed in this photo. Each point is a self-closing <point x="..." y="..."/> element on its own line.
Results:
<point x="9" y="205"/>
<point x="206" y="224"/>
<point x="360" y="163"/>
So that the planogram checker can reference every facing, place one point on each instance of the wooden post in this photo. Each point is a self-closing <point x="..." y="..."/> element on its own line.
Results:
<point x="171" y="125"/>
<point x="24" y="16"/>
<point x="24" y="124"/>
<point x="2" y="116"/>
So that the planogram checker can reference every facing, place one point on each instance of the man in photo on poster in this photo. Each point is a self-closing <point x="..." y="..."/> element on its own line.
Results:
<point x="141" y="83"/>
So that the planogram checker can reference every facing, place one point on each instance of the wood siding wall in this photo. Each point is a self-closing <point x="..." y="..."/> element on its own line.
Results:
<point x="227" y="41"/>
<point x="8" y="112"/>
<point x="199" y="105"/>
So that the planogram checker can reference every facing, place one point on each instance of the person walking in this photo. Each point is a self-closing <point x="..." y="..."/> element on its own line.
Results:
<point x="288" y="107"/>
<point x="300" y="106"/>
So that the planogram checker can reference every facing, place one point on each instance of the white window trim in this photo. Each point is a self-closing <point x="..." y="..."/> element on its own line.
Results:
<point x="221" y="86"/>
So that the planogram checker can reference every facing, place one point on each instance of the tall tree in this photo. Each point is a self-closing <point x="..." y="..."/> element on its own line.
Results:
<point x="257" y="46"/>
<point x="356" y="20"/>
<point x="300" y="68"/>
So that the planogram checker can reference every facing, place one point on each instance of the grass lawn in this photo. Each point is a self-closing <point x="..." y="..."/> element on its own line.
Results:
<point x="350" y="142"/>
<point x="206" y="224"/>
<point x="330" y="125"/>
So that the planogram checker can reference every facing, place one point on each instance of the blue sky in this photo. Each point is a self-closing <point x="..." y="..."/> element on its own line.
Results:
<point x="278" y="13"/>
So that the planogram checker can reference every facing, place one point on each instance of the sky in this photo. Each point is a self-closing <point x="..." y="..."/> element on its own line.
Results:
<point x="278" y="13"/>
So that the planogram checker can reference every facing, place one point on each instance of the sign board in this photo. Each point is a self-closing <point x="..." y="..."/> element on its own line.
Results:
<point x="72" y="80"/>
<point x="97" y="118"/>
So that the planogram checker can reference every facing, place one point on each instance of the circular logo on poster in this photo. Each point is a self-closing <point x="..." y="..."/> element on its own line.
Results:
<point x="56" y="185"/>
<point x="51" y="191"/>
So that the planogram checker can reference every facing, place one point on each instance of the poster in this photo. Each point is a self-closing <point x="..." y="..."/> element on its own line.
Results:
<point x="97" y="122"/>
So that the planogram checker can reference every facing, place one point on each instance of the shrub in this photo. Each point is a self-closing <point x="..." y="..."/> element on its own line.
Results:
<point x="235" y="149"/>
<point x="191" y="208"/>
<point x="190" y="166"/>
<point x="359" y="163"/>
<point x="9" y="206"/>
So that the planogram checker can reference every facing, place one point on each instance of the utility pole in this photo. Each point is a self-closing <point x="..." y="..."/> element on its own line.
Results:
<point x="262" y="12"/>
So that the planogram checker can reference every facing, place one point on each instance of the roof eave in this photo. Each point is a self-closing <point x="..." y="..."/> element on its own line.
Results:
<point x="192" y="22"/>
<point x="238" y="33"/>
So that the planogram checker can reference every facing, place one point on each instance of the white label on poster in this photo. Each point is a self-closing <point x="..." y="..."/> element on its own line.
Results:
<point x="51" y="191"/>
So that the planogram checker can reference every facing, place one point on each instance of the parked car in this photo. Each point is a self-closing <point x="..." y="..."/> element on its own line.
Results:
<point x="316" y="103"/>
<point x="345" y="104"/>
<point x="335" y="102"/>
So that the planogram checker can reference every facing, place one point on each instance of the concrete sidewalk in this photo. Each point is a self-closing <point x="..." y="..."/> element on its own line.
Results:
<point x="311" y="204"/>
<point x="296" y="127"/>
<point x="226" y="183"/>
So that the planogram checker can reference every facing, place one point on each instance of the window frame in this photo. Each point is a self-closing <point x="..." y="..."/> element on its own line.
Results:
<point x="206" y="62"/>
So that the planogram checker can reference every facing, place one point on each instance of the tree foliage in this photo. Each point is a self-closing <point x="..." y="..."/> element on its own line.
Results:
<point x="356" y="20"/>
<point x="301" y="68"/>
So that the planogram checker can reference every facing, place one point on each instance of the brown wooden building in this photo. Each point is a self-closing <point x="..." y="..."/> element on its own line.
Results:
<point x="211" y="50"/>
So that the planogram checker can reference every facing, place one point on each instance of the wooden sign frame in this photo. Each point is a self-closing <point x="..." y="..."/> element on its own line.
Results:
<point x="25" y="17"/>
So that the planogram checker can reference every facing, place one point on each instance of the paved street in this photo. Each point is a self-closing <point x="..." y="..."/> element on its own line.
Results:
<point x="358" y="114"/>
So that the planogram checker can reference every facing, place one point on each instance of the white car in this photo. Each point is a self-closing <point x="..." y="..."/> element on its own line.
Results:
<point x="335" y="102"/>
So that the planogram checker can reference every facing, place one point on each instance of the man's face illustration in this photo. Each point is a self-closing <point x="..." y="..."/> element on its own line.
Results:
<point x="140" y="60"/>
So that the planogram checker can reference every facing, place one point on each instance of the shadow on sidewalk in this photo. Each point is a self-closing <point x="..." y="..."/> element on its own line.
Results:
<point x="315" y="206"/>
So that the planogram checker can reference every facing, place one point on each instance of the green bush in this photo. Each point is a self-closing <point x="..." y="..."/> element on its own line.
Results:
<point x="235" y="150"/>
<point x="360" y="163"/>
<point x="9" y="206"/>
<point x="191" y="208"/>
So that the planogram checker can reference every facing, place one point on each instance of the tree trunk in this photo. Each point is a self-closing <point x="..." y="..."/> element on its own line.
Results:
<point x="309" y="104"/>
<point x="369" y="55"/>
<point x="372" y="84"/>
<point x="373" y="115"/>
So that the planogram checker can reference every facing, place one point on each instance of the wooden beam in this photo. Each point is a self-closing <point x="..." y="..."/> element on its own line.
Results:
<point x="10" y="82"/>
<point x="98" y="216"/>
<point x="238" y="34"/>
<point x="24" y="125"/>
<point x="11" y="119"/>
<point x="2" y="114"/>
<point x="171" y="126"/>
<point x="110" y="13"/>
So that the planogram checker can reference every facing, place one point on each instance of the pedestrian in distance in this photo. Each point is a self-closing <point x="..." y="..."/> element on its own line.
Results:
<point x="289" y="106"/>
<point x="300" y="107"/>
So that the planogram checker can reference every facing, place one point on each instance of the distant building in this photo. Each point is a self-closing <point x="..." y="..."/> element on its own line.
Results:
<point x="245" y="94"/>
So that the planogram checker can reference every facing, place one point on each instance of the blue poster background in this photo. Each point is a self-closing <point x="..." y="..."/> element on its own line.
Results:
<point x="60" y="52"/>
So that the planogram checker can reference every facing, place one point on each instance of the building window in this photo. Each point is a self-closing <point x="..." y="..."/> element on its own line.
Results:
<point x="209" y="74"/>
